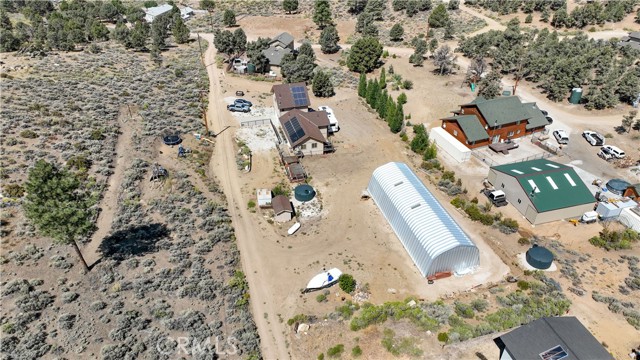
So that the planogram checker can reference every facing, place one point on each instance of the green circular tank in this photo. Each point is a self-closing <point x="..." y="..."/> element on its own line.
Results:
<point x="576" y="95"/>
<point x="304" y="192"/>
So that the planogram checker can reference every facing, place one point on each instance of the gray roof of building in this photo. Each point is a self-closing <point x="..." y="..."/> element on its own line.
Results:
<point x="536" y="117"/>
<point x="158" y="10"/>
<point x="471" y="127"/>
<point x="285" y="38"/>
<point x="531" y="340"/>
<point x="275" y="54"/>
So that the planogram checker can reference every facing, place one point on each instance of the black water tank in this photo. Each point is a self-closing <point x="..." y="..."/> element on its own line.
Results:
<point x="539" y="257"/>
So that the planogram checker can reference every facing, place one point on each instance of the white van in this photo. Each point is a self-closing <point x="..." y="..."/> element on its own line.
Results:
<point x="614" y="151"/>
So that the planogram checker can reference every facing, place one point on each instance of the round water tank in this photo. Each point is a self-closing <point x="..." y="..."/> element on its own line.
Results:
<point x="617" y="186"/>
<point x="304" y="192"/>
<point x="539" y="257"/>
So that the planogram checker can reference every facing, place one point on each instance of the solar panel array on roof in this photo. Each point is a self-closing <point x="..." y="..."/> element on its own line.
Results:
<point x="299" y="95"/>
<point x="555" y="353"/>
<point x="294" y="129"/>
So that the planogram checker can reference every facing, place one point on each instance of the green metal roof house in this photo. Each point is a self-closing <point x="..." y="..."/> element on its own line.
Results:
<point x="543" y="190"/>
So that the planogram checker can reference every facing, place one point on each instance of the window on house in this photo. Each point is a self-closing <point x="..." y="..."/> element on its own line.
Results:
<point x="314" y="145"/>
<point x="510" y="133"/>
<point x="455" y="132"/>
<point x="303" y="146"/>
<point x="518" y="132"/>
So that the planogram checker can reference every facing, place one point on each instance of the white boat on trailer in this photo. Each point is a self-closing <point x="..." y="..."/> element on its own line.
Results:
<point x="324" y="280"/>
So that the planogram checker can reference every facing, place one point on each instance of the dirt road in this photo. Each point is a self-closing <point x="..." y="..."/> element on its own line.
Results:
<point x="223" y="165"/>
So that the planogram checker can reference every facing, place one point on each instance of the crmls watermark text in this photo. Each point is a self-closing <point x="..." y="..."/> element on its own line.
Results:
<point x="183" y="345"/>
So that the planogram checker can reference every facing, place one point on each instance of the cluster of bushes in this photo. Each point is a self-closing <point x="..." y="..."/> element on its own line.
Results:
<point x="347" y="283"/>
<point x="449" y="184"/>
<point x="421" y="145"/>
<point x="375" y="93"/>
<point x="611" y="71"/>
<point x="375" y="314"/>
<point x="400" y="346"/>
<point x="618" y="307"/>
<point x="615" y="240"/>
<point x="591" y="13"/>
<point x="475" y="213"/>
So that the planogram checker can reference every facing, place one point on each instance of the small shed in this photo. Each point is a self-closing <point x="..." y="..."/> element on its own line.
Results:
<point x="264" y="198"/>
<point x="282" y="208"/>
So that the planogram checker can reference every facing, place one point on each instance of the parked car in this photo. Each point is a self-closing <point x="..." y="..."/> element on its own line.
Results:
<point x="561" y="136"/>
<point x="589" y="217"/>
<point x="593" y="138"/>
<point x="609" y="151"/>
<point x="234" y="108"/>
<point x="242" y="102"/>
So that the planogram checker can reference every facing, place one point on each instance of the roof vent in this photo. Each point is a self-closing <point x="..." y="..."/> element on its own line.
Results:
<point x="415" y="206"/>
<point x="398" y="183"/>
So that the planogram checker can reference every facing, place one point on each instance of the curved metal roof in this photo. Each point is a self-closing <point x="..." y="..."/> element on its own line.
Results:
<point x="432" y="238"/>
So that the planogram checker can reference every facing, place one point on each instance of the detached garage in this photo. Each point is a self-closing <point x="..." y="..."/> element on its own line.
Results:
<point x="432" y="238"/>
<point x="543" y="190"/>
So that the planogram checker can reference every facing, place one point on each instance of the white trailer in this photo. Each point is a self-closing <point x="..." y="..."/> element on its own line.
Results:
<point x="333" y="122"/>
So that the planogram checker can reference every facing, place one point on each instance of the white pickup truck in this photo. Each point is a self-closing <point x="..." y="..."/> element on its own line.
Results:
<point x="333" y="122"/>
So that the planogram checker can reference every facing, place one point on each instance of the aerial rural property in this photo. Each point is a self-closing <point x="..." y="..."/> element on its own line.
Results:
<point x="360" y="179"/>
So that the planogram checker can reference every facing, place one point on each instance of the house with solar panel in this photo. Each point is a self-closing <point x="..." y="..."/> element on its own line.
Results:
<point x="551" y="338"/>
<point x="543" y="190"/>
<point x="307" y="132"/>
<point x="489" y="121"/>
<point x="288" y="97"/>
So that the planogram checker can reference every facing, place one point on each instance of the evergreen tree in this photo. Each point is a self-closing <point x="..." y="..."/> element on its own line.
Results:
<point x="411" y="8"/>
<point x="391" y="110"/>
<point x="229" y="18"/>
<point x="444" y="60"/>
<point x="329" y="40"/>
<point x="138" y="35"/>
<point x="322" y="14"/>
<point x="528" y="19"/>
<point x="5" y="22"/>
<point x="431" y="152"/>
<point x="376" y="8"/>
<point x="382" y="104"/>
<point x="448" y="31"/>
<point x="545" y="15"/>
<point x="290" y="6"/>
<point x="180" y="30"/>
<point x="490" y="86"/>
<point x="628" y="120"/>
<point x="373" y="92"/>
<point x="453" y="5"/>
<point x="398" y="119"/>
<point x="155" y="55"/>
<point x="383" y="79"/>
<point x="208" y="5"/>
<point x="306" y="49"/>
<point x="356" y="6"/>
<point x="364" y="55"/>
<point x="371" y="30"/>
<point x="439" y="17"/>
<point x="399" y="5"/>
<point x="362" y="86"/>
<point x="298" y="70"/>
<point x="396" y="32"/>
<point x="59" y="205"/>
<point x="424" y="5"/>
<point x="322" y="86"/>
<point x="420" y="141"/>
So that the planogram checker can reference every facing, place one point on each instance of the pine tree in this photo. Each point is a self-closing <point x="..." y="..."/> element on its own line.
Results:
<point x="373" y="92"/>
<point x="362" y="86"/>
<point x="383" y="79"/>
<point x="290" y="5"/>
<point x="391" y="110"/>
<point x="59" y="205"/>
<point x="411" y="8"/>
<point x="395" y="125"/>
<point x="322" y="13"/>
<point x="396" y="32"/>
<point x="322" y="86"/>
<point x="180" y="30"/>
<point x="439" y="17"/>
<point x="382" y="104"/>
<point x="329" y="40"/>
<point x="229" y="18"/>
<point x="306" y="49"/>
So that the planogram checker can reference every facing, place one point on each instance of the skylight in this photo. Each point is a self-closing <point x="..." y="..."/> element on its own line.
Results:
<point x="533" y="186"/>
<point x="552" y="183"/>
<point x="553" y="166"/>
<point x="555" y="353"/>
<point x="517" y="171"/>
<point x="536" y="169"/>
<point x="569" y="179"/>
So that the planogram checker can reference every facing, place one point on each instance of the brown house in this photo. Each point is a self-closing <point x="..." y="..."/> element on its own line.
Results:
<point x="307" y="131"/>
<point x="290" y="96"/>
<point x="633" y="192"/>
<point x="483" y="122"/>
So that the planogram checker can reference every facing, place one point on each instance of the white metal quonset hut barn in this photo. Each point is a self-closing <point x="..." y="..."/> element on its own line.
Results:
<point x="432" y="238"/>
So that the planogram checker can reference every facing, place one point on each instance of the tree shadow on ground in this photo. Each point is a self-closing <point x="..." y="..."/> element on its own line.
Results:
<point x="133" y="241"/>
